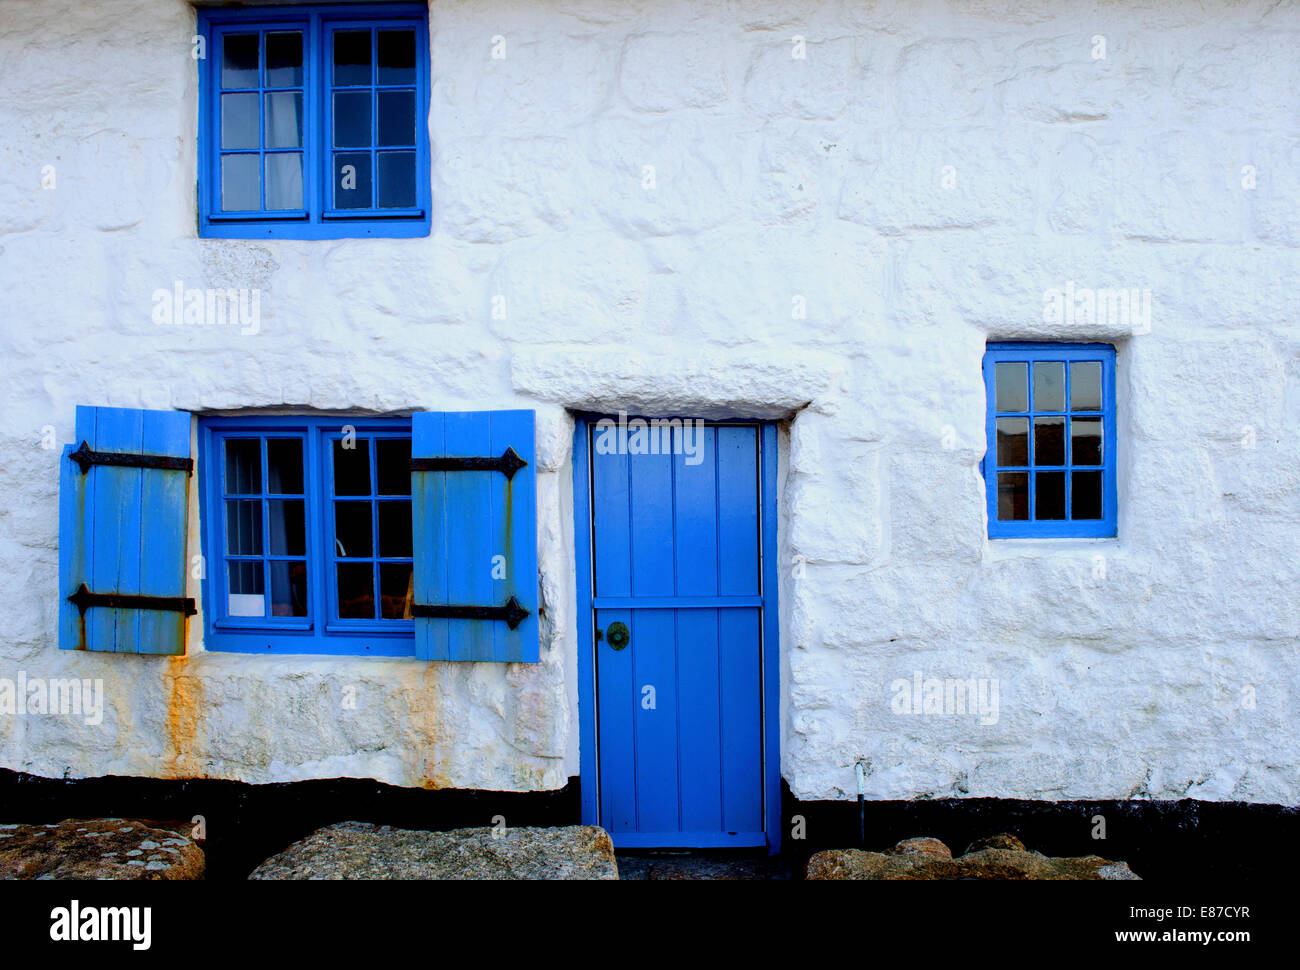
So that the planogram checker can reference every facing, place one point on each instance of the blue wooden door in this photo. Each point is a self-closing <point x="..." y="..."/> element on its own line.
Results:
<point x="675" y="547"/>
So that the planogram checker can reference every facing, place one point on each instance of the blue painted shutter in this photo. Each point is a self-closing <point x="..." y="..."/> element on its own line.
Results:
<point x="475" y="536"/>
<point x="122" y="532"/>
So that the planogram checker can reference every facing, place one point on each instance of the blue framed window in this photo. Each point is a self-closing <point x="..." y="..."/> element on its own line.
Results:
<point x="313" y="122"/>
<point x="1049" y="470"/>
<point x="307" y="535"/>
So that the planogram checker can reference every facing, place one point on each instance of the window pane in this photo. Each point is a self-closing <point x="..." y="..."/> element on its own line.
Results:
<point x="1085" y="385"/>
<point x="1049" y="441"/>
<point x="352" y="180"/>
<point x="288" y="535"/>
<point x="1085" y="441"/>
<point x="392" y="460"/>
<point x="1013" y="441"/>
<point x="356" y="586"/>
<point x="284" y="181"/>
<point x="284" y="466"/>
<point x="1049" y="495"/>
<point x="395" y="590"/>
<point x="1085" y="495"/>
<point x="352" y="57"/>
<point x="395" y="113"/>
<point x="288" y="589"/>
<point x="394" y="529"/>
<point x="397" y="57"/>
<point x="351" y="467"/>
<point x="283" y="119"/>
<point x="351" y="119"/>
<point x="396" y="180"/>
<point x="244" y="528"/>
<point x="244" y="597"/>
<point x="243" y="466"/>
<point x="1049" y="385"/>
<point x="352" y="529"/>
<point x="1010" y="379"/>
<point x="241" y="189"/>
<point x="239" y="121"/>
<point x="284" y="59"/>
<point x="239" y="61"/>
<point x="1013" y="495"/>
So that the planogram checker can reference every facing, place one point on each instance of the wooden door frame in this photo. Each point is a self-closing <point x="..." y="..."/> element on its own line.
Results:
<point x="770" y="658"/>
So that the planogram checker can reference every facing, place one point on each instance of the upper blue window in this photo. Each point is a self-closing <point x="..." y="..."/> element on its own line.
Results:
<point x="1050" y="466"/>
<point x="313" y="122"/>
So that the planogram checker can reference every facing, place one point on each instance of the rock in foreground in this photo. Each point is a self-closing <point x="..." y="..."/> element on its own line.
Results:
<point x="102" y="848"/>
<point x="359" y="850"/>
<point x="997" y="857"/>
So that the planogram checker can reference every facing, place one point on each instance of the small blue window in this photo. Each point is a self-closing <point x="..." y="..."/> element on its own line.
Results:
<point x="313" y="122"/>
<point x="1049" y="470"/>
<point x="307" y="535"/>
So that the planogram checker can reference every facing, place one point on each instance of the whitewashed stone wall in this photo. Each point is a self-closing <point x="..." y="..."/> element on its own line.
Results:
<point x="1160" y="664"/>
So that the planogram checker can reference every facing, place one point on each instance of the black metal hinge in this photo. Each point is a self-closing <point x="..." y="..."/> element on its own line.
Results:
<point x="512" y="612"/>
<point x="84" y="457"/>
<point x="83" y="599"/>
<point x="507" y="464"/>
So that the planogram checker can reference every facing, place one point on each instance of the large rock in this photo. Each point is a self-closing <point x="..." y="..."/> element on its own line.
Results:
<point x="103" y="848"/>
<point x="359" y="850"/>
<point x="929" y="859"/>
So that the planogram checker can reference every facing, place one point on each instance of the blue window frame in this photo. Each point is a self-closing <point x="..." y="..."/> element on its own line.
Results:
<point x="1049" y="470"/>
<point x="307" y="535"/>
<point x="313" y="122"/>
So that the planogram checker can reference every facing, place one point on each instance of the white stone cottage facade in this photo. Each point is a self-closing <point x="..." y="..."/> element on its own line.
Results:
<point x="818" y="214"/>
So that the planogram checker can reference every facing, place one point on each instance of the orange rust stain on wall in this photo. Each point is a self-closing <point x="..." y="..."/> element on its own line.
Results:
<point x="184" y="707"/>
<point x="425" y="730"/>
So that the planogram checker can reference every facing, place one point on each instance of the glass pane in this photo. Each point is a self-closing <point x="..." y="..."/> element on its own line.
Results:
<point x="244" y="597"/>
<point x="395" y="113"/>
<point x="1013" y="441"/>
<point x="396" y="180"/>
<point x="283" y="119"/>
<point x="1049" y="385"/>
<point x="1010" y="381"/>
<point x="244" y="528"/>
<point x="1085" y="441"/>
<point x="397" y="57"/>
<point x="351" y="466"/>
<point x="284" y="466"/>
<point x="284" y="59"/>
<point x="243" y="466"/>
<point x="239" y="121"/>
<point x="1049" y="495"/>
<point x="395" y="590"/>
<point x="393" y="465"/>
<point x="1013" y="496"/>
<point x="284" y="181"/>
<point x="1085" y="385"/>
<point x="352" y="180"/>
<point x="288" y="589"/>
<point x="352" y="529"/>
<point x="356" y="584"/>
<point x="351" y="119"/>
<point x="1049" y="441"/>
<point x="241" y="189"/>
<point x="352" y="57"/>
<point x="1085" y="495"/>
<point x="288" y="536"/>
<point x="394" y="529"/>
<point x="239" y="61"/>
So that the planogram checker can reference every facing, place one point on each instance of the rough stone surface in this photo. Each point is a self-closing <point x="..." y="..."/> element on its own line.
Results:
<point x="1001" y="857"/>
<point x="99" y="848"/>
<point x="359" y="850"/>
<point x="917" y="181"/>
